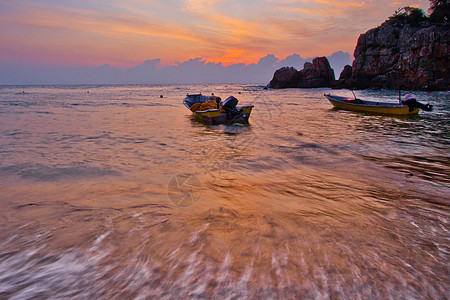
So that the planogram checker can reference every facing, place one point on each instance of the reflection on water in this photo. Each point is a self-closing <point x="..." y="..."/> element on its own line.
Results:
<point x="305" y="201"/>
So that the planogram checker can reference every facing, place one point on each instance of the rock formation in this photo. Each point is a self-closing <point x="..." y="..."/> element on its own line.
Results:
<point x="346" y="75"/>
<point x="314" y="75"/>
<point x="409" y="51"/>
<point x="398" y="55"/>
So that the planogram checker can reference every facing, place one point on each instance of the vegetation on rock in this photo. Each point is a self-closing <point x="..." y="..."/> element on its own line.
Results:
<point x="440" y="11"/>
<point x="409" y="15"/>
<point x="439" y="14"/>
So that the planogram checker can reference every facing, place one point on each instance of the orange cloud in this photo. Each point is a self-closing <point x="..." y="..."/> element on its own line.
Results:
<point x="126" y="33"/>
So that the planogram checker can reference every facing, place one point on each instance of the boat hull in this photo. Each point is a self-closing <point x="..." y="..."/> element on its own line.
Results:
<point x="215" y="116"/>
<point x="371" y="106"/>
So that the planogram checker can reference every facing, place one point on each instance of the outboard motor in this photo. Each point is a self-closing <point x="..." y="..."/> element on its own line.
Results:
<point x="229" y="105"/>
<point x="411" y="101"/>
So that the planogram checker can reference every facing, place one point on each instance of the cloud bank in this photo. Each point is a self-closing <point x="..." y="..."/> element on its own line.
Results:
<point x="196" y="70"/>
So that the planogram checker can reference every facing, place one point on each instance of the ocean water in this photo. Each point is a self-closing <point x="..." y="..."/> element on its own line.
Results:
<point x="111" y="192"/>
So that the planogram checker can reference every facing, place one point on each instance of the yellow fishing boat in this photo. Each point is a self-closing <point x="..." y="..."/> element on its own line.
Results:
<point x="371" y="106"/>
<point x="218" y="116"/>
<point x="211" y="109"/>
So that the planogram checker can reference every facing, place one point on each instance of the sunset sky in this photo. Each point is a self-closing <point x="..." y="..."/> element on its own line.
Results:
<point x="126" y="33"/>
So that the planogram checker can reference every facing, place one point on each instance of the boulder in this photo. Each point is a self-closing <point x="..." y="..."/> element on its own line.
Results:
<point x="314" y="75"/>
<point x="283" y="78"/>
<point x="345" y="76"/>
<point x="346" y="73"/>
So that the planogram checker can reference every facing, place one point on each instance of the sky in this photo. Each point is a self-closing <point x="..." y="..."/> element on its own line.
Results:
<point x="123" y="34"/>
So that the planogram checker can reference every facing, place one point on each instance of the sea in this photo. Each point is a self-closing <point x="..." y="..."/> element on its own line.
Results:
<point x="117" y="192"/>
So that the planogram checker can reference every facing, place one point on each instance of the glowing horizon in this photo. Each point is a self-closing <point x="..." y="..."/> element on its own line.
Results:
<point x="89" y="33"/>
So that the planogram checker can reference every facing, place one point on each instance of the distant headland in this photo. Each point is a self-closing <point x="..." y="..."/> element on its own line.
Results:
<point x="408" y="51"/>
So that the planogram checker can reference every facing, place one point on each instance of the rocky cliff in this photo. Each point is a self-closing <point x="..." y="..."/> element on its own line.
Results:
<point x="314" y="75"/>
<point x="398" y="55"/>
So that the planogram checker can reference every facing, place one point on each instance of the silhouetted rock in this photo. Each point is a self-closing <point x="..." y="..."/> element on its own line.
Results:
<point x="346" y="73"/>
<point x="345" y="76"/>
<point x="314" y="75"/>
<point x="283" y="78"/>
<point x="401" y="55"/>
